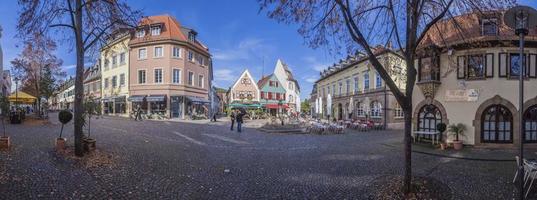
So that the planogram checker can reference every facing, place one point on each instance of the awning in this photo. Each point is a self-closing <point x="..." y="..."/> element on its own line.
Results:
<point x="136" y="98"/>
<point x="242" y="105"/>
<point x="21" y="97"/>
<point x="155" y="98"/>
<point x="198" y="100"/>
<point x="276" y="106"/>
<point x="106" y="100"/>
<point x="120" y="99"/>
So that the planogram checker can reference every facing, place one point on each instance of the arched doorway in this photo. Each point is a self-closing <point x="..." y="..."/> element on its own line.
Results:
<point x="497" y="125"/>
<point x="339" y="111"/>
<point x="530" y="125"/>
<point x="428" y="117"/>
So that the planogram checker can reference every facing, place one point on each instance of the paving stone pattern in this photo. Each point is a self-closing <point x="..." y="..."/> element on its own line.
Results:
<point x="178" y="160"/>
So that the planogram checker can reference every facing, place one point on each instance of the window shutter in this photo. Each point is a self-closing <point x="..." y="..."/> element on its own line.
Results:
<point x="533" y="66"/>
<point x="502" y="67"/>
<point x="489" y="63"/>
<point x="461" y="67"/>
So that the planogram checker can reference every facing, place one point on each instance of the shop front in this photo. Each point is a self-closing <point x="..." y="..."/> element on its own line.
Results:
<point x="120" y="105"/>
<point x="177" y="106"/>
<point x="108" y="106"/>
<point x="138" y="101"/>
<point x="157" y="104"/>
<point x="198" y="107"/>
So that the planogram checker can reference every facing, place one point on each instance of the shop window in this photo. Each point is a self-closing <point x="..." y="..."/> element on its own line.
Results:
<point x="428" y="118"/>
<point x="530" y="125"/>
<point x="497" y="125"/>
<point x="376" y="109"/>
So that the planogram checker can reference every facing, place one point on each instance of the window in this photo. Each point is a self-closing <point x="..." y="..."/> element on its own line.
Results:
<point x="114" y="81"/>
<point x="324" y="91"/>
<point x="429" y="116"/>
<point x="333" y="89"/>
<point x="191" y="37"/>
<point x="191" y="78"/>
<point x="376" y="109"/>
<point x="158" y="75"/>
<point x="340" y="88"/>
<point x="158" y="52"/>
<point x="270" y="95"/>
<point x="106" y="63"/>
<point x="530" y="124"/>
<point x="141" y="77"/>
<point x="199" y="58"/>
<point x="348" y="86"/>
<point x="356" y="84"/>
<point x="378" y="80"/>
<point x="262" y="95"/>
<point x="200" y="81"/>
<point x="489" y="27"/>
<point x="155" y="30"/>
<point x="366" y="80"/>
<point x="142" y="53"/>
<point x="278" y="96"/>
<point x="114" y="60"/>
<point x="190" y="56"/>
<point x="497" y="125"/>
<point x="514" y="63"/>
<point x="428" y="69"/>
<point x="476" y="67"/>
<point x="122" y="58"/>
<point x="176" y="53"/>
<point x="360" y="109"/>
<point x="398" y="111"/>
<point x="140" y="33"/>
<point x="245" y="81"/>
<point x="291" y="98"/>
<point x="121" y="80"/>
<point x="291" y="86"/>
<point x="176" y="76"/>
<point x="106" y="83"/>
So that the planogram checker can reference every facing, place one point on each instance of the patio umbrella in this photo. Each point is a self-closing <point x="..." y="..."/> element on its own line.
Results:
<point x="242" y="110"/>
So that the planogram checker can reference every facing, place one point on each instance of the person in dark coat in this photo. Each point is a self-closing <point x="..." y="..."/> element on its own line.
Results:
<point x="240" y="121"/>
<point x="232" y="116"/>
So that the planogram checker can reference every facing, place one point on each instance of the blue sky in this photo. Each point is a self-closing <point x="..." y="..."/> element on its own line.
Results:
<point x="237" y="35"/>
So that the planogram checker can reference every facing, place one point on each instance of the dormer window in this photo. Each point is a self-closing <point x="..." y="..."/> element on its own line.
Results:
<point x="140" y="33"/>
<point x="489" y="26"/>
<point x="191" y="37"/>
<point x="155" y="30"/>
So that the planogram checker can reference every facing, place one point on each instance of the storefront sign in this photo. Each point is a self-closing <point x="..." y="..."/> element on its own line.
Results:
<point x="462" y="95"/>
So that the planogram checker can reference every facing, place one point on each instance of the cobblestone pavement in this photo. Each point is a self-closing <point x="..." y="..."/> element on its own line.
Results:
<point x="177" y="160"/>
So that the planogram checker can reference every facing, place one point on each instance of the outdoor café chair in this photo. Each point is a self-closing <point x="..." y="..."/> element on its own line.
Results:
<point x="531" y="174"/>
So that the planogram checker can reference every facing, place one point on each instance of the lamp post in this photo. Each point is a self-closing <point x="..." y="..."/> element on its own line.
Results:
<point x="521" y="18"/>
<point x="17" y="92"/>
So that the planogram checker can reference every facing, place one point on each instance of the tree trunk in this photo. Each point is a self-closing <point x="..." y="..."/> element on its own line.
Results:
<point x="79" y="95"/>
<point x="407" y="182"/>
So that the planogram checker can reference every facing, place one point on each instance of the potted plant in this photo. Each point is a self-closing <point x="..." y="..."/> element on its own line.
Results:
<point x="4" y="108"/>
<point x="64" y="117"/>
<point x="457" y="129"/>
<point x="90" y="108"/>
<point x="441" y="127"/>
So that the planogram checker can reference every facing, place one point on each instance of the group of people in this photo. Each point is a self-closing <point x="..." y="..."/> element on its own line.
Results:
<point x="237" y="116"/>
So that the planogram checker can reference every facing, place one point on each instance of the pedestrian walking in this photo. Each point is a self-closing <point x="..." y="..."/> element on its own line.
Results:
<point x="232" y="116"/>
<point x="240" y="121"/>
<point x="138" y="113"/>
<point x="214" y="117"/>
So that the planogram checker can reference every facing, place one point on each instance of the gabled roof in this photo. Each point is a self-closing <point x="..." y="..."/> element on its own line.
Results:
<point x="246" y="73"/>
<point x="263" y="81"/>
<point x="171" y="30"/>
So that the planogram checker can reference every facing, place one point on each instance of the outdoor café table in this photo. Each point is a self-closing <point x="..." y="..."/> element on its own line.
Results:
<point x="435" y="135"/>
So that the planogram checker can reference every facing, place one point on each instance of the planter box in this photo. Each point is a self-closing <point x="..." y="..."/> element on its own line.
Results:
<point x="89" y="144"/>
<point x="60" y="144"/>
<point x="5" y="142"/>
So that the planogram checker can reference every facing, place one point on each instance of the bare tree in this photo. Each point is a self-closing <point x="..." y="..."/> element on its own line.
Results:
<point x="86" y="22"/>
<point x="361" y="24"/>
<point x="36" y="58"/>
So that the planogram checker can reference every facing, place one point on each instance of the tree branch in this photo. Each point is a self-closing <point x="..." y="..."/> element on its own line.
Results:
<point x="358" y="38"/>
<point x="62" y="25"/>
<point x="98" y="36"/>
<point x="430" y="24"/>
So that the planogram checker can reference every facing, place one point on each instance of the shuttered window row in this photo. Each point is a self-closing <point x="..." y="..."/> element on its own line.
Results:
<point x="482" y="66"/>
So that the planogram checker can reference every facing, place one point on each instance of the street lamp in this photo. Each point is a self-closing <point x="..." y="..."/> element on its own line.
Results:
<point x="521" y="18"/>
<point x="17" y="92"/>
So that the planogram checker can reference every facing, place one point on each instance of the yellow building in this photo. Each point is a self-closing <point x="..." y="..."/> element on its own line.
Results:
<point x="471" y="77"/>
<point x="352" y="89"/>
<point x="115" y="73"/>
